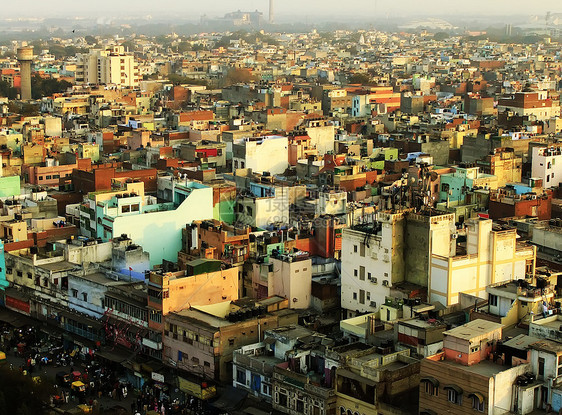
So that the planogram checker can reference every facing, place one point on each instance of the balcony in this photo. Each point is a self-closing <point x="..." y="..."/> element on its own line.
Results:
<point x="152" y="344"/>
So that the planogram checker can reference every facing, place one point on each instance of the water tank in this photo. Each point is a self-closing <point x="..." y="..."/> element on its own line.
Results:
<point x="25" y="53"/>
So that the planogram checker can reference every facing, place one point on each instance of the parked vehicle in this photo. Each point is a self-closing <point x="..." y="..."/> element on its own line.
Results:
<point x="63" y="378"/>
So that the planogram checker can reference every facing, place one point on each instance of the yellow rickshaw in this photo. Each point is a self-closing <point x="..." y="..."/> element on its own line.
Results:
<point x="85" y="408"/>
<point x="2" y="358"/>
<point x="78" y="387"/>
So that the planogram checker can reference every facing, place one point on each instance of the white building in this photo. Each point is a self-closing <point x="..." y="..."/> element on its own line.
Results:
<point x="292" y="279"/>
<point x="111" y="66"/>
<point x="547" y="165"/>
<point x="372" y="260"/>
<point x="377" y="258"/>
<point x="261" y="154"/>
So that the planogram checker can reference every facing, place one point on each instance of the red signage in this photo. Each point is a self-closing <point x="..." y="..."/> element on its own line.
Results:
<point x="484" y="216"/>
<point x="16" y="304"/>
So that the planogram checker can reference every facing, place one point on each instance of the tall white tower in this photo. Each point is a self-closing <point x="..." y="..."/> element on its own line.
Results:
<point x="25" y="58"/>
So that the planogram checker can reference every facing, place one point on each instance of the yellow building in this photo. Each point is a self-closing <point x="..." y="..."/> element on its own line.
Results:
<point x="491" y="256"/>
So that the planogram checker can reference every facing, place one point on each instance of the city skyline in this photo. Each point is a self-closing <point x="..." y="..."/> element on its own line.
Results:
<point x="286" y="9"/>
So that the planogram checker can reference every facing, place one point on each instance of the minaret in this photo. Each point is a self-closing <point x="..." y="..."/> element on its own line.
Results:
<point x="270" y="11"/>
<point x="25" y="58"/>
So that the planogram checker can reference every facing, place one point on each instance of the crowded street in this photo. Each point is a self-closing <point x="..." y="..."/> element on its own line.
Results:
<point x="81" y="381"/>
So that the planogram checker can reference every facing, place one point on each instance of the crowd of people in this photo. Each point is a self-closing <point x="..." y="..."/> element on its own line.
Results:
<point x="101" y="382"/>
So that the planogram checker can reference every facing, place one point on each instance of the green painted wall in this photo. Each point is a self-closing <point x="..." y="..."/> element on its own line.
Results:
<point x="10" y="186"/>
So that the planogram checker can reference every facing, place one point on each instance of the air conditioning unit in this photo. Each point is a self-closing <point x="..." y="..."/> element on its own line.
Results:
<point x="374" y="280"/>
<point x="385" y="283"/>
<point x="373" y="303"/>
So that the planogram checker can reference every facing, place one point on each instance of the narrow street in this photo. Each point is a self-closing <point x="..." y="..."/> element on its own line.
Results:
<point x="48" y="373"/>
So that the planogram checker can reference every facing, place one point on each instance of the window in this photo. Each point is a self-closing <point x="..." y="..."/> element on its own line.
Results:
<point x="282" y="400"/>
<point x="474" y="349"/>
<point x="75" y="293"/>
<point x="180" y="355"/>
<point x="206" y="364"/>
<point x="29" y="275"/>
<point x="354" y="248"/>
<point x="368" y="275"/>
<point x="85" y="296"/>
<point x="56" y="176"/>
<point x="541" y="366"/>
<point x="477" y="403"/>
<point x="231" y="342"/>
<point x="431" y="389"/>
<point x="445" y="187"/>
<point x="453" y="396"/>
<point x="266" y="389"/>
<point x="300" y="406"/>
<point x="48" y="177"/>
<point x="354" y="272"/>
<point x="135" y="207"/>
<point x="19" y="273"/>
<point x="362" y="250"/>
<point x="126" y="209"/>
<point x="362" y="296"/>
<point x="362" y="273"/>
<point x="241" y="376"/>
<point x="40" y="177"/>
<point x="493" y="300"/>
<point x="355" y="296"/>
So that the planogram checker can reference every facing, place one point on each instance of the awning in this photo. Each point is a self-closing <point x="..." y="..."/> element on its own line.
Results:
<point x="477" y="395"/>
<point x="16" y="319"/>
<point x="230" y="399"/>
<point x="269" y="340"/>
<point x="456" y="388"/>
<point x="116" y="356"/>
<point x="431" y="380"/>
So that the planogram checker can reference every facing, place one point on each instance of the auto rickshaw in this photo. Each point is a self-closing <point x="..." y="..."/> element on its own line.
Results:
<point x="58" y="400"/>
<point x="2" y="358"/>
<point x="78" y="388"/>
<point x="76" y="375"/>
<point x="63" y="378"/>
<point x="36" y="379"/>
<point x="86" y="409"/>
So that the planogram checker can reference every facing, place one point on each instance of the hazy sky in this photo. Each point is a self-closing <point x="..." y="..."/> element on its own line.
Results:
<point x="285" y="8"/>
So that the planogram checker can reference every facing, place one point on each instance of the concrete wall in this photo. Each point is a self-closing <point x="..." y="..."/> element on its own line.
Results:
<point x="159" y="233"/>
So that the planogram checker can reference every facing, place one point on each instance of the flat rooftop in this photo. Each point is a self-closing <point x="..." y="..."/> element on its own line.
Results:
<point x="473" y="329"/>
<point x="484" y="368"/>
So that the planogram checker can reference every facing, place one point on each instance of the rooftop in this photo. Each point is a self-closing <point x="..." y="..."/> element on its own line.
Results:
<point x="473" y="329"/>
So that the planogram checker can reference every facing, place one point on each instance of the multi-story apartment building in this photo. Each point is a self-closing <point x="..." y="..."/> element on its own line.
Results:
<point x="463" y="379"/>
<point x="378" y="258"/>
<point x="532" y="104"/>
<point x="112" y="66"/>
<point x="491" y="255"/>
<point x="547" y="165"/>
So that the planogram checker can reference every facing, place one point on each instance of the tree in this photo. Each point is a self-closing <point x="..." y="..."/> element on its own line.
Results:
<point x="180" y="80"/>
<point x="441" y="36"/>
<point x="238" y="76"/>
<point x="360" y="78"/>
<point x="41" y="87"/>
<point x="7" y="91"/>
